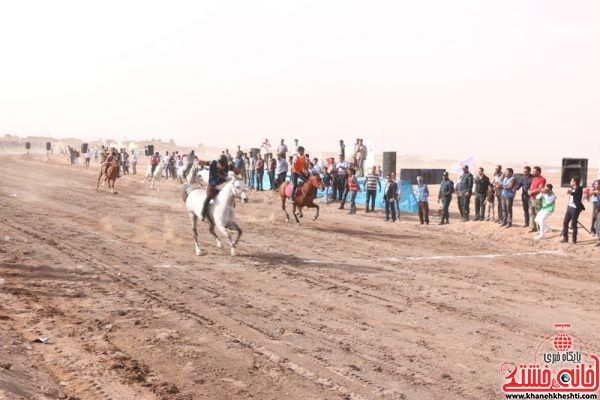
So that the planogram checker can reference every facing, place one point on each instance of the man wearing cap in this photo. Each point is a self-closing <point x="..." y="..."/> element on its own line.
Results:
<point x="217" y="175"/>
<point x="465" y="190"/>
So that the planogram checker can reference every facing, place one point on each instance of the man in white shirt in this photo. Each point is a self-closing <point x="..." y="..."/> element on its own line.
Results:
<point x="282" y="148"/>
<point x="294" y="148"/>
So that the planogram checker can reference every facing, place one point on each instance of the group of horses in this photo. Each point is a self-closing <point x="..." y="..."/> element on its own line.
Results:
<point x="221" y="212"/>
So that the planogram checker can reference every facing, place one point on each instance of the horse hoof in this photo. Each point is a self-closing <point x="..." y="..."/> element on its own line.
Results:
<point x="233" y="251"/>
<point x="219" y="244"/>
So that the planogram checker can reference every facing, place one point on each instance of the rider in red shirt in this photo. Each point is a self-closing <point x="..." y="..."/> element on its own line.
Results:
<point x="154" y="160"/>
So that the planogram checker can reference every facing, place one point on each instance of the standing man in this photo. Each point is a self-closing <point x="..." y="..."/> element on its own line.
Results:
<point x="265" y="150"/>
<point x="353" y="189"/>
<point x="574" y="208"/>
<point x="482" y="183"/>
<point x="508" y="196"/>
<point x="341" y="167"/>
<point x="281" y="170"/>
<point x="398" y="195"/>
<point x="134" y="160"/>
<point x="422" y="194"/>
<point x="389" y="198"/>
<point x="595" y="198"/>
<point x="445" y="196"/>
<point x="371" y="185"/>
<point x="282" y="148"/>
<point x="498" y="179"/>
<point x="465" y="190"/>
<point x="295" y="147"/>
<point x="342" y="150"/>
<point x="360" y="156"/>
<point x="525" y="184"/>
<point x="259" y="167"/>
<point x="251" y="169"/>
<point x="538" y="182"/>
<point x="272" y="168"/>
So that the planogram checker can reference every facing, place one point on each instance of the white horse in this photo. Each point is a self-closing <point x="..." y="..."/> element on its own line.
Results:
<point x="154" y="178"/>
<point x="220" y="211"/>
<point x="195" y="175"/>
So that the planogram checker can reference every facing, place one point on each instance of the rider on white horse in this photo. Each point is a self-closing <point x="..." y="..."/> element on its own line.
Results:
<point x="190" y="162"/>
<point x="154" y="161"/>
<point x="217" y="175"/>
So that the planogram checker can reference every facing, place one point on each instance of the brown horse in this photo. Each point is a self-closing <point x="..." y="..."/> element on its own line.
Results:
<point x="305" y="197"/>
<point x="111" y="175"/>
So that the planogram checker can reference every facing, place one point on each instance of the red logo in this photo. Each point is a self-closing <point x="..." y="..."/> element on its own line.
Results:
<point x="562" y="363"/>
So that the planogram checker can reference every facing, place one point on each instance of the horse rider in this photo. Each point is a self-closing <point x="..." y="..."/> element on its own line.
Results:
<point x="109" y="160"/>
<point x="299" y="170"/>
<point x="154" y="160"/>
<point x="218" y="172"/>
<point x="190" y="162"/>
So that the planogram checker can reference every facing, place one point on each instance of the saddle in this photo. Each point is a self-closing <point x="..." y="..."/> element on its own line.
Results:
<point x="288" y="189"/>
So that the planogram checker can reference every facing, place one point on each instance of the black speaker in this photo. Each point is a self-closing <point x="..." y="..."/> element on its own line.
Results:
<point x="149" y="149"/>
<point x="430" y="176"/>
<point x="255" y="151"/>
<point x="84" y="148"/>
<point x="574" y="168"/>
<point x="389" y="162"/>
<point x="27" y="146"/>
<point x="48" y="146"/>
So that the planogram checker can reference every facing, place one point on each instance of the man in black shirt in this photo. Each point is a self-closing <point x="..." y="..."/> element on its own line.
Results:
<point x="482" y="183"/>
<point x="525" y="184"/>
<point x="574" y="208"/>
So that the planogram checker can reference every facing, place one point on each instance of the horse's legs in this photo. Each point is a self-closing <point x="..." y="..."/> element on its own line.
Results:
<point x="287" y="216"/>
<point x="194" y="219"/>
<point x="99" y="178"/>
<point x="232" y="225"/>
<point x="211" y="229"/>
<point x="313" y="205"/>
<point x="225" y="232"/>
<point x="294" y="212"/>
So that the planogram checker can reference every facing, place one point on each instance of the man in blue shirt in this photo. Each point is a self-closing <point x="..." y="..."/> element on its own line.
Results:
<point x="422" y="194"/>
<point x="218" y="172"/>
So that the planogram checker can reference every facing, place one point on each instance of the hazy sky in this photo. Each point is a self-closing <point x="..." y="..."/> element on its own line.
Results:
<point x="503" y="80"/>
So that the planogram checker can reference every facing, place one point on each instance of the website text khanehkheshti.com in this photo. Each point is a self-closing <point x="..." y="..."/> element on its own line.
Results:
<point x="551" y="396"/>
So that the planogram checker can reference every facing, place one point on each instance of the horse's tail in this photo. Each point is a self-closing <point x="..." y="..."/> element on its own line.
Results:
<point x="186" y="188"/>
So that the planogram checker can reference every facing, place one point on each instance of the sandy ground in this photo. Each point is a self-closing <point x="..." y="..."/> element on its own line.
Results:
<point x="345" y="307"/>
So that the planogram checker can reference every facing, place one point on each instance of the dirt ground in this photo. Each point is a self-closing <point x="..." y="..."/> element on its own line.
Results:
<point x="345" y="307"/>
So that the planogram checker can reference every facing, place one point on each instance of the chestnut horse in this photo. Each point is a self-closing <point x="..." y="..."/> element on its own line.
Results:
<point x="111" y="175"/>
<point x="305" y="196"/>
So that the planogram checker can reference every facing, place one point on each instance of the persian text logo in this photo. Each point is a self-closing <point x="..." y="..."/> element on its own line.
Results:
<point x="562" y="363"/>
